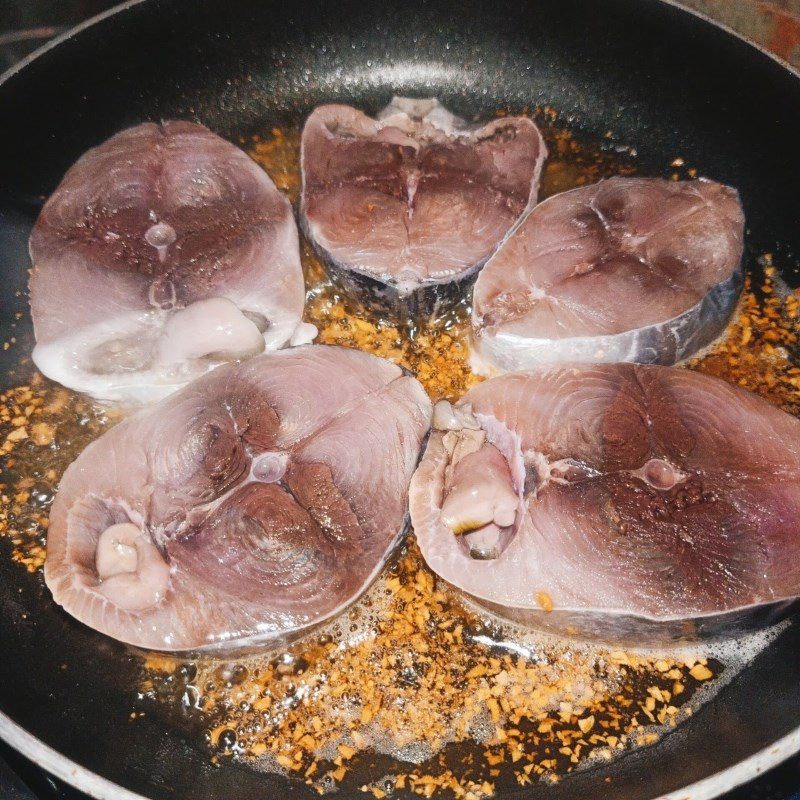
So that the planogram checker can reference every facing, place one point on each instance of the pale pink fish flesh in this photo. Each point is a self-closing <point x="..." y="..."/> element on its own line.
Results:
<point x="244" y="509"/>
<point x="407" y="207"/>
<point x="628" y="269"/>
<point x="654" y="503"/>
<point x="163" y="252"/>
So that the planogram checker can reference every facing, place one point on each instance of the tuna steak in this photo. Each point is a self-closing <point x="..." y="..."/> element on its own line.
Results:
<point x="628" y="503"/>
<point x="628" y="269"/>
<point x="243" y="509"/>
<point x="163" y="252"/>
<point x="406" y="208"/>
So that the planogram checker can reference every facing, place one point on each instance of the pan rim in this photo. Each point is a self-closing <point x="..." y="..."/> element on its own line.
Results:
<point x="69" y="33"/>
<point x="100" y="788"/>
<point x="49" y="759"/>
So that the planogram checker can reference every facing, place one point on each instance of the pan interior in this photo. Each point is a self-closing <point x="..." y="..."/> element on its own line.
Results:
<point x="660" y="80"/>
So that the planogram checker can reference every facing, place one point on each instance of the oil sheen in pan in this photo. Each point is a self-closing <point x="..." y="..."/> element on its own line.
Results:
<point x="302" y="683"/>
<point x="438" y="357"/>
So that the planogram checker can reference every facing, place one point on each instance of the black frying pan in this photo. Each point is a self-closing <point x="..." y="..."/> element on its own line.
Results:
<point x="662" y="79"/>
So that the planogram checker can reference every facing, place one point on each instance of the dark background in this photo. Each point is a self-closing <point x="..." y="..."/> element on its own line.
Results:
<point x="27" y="24"/>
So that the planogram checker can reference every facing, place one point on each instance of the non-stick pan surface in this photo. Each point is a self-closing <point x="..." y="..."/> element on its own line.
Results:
<point x="663" y="80"/>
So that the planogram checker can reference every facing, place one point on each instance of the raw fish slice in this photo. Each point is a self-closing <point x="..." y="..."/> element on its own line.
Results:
<point x="653" y="503"/>
<point x="162" y="253"/>
<point x="365" y="461"/>
<point x="296" y="564"/>
<point x="628" y="269"/>
<point x="242" y="509"/>
<point x="296" y="390"/>
<point x="406" y="208"/>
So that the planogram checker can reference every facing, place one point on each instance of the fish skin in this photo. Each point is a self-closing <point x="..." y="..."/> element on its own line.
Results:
<point x="406" y="208"/>
<point x="250" y="562"/>
<point x="96" y="275"/>
<point x="628" y="269"/>
<point x="716" y="553"/>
